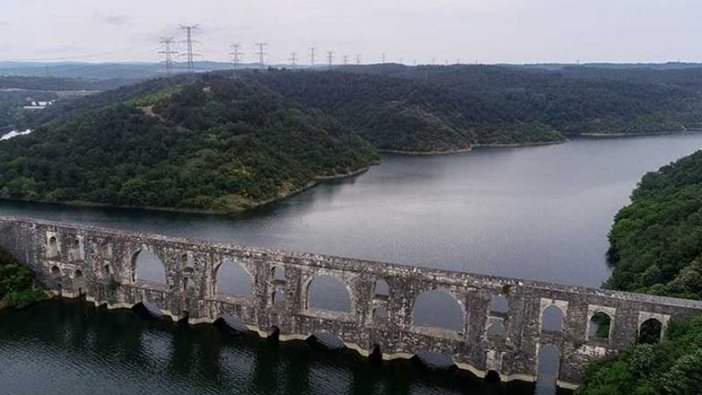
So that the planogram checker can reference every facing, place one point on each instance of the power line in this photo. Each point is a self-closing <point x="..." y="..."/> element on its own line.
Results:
<point x="261" y="53"/>
<point x="189" y="45"/>
<point x="236" y="54"/>
<point x="167" y="52"/>
<point x="312" y="49"/>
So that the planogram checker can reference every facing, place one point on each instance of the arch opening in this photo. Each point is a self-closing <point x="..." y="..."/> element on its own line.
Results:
<point x="380" y="313"/>
<point x="148" y="267"/>
<point x="55" y="271"/>
<point x="78" y="274"/>
<point x="650" y="331"/>
<point x="435" y="360"/>
<point x="499" y="304"/>
<point x="328" y="293"/>
<point x="327" y="340"/>
<point x="438" y="309"/>
<point x="552" y="319"/>
<point x="105" y="250"/>
<point x="233" y="280"/>
<point x="234" y="323"/>
<point x="600" y="324"/>
<point x="548" y="368"/>
<point x="496" y="330"/>
<point x="278" y="297"/>
<point x="278" y="273"/>
<point x="381" y="289"/>
<point x="52" y="248"/>
<point x="188" y="284"/>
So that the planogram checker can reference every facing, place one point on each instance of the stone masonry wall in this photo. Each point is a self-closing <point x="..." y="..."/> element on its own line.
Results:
<point x="101" y="265"/>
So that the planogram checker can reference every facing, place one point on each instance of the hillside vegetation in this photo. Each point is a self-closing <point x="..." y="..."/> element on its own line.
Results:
<point x="17" y="285"/>
<point x="204" y="143"/>
<point x="656" y="247"/>
<point x="673" y="367"/>
<point x="227" y="141"/>
<point x="656" y="241"/>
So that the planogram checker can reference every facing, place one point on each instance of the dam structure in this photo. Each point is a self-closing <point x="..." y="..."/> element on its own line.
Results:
<point x="503" y="326"/>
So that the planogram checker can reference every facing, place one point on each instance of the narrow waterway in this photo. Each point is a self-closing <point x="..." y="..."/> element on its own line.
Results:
<point x="537" y="213"/>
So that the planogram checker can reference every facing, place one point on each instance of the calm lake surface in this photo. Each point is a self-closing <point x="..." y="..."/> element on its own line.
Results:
<point x="537" y="213"/>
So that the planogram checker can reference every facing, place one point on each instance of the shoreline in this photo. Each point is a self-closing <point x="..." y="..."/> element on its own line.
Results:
<point x="619" y="135"/>
<point x="471" y="148"/>
<point x="255" y="205"/>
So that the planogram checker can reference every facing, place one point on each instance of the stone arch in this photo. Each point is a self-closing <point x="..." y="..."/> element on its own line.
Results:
<point x="147" y="266"/>
<point x="381" y="288"/>
<point x="496" y="330"/>
<point x="325" y="292"/>
<point x="105" y="249"/>
<point x="232" y="278"/>
<point x="235" y="323"/>
<point x="499" y="304"/>
<point x="547" y="368"/>
<point x="78" y="274"/>
<point x="600" y="326"/>
<point x="552" y="319"/>
<point x="438" y="309"/>
<point x="52" y="247"/>
<point x="650" y="331"/>
<point x="55" y="271"/>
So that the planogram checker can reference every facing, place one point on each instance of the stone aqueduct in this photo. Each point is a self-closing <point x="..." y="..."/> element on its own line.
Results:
<point x="100" y="264"/>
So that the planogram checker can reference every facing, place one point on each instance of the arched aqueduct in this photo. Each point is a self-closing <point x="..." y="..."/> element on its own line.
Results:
<point x="501" y="327"/>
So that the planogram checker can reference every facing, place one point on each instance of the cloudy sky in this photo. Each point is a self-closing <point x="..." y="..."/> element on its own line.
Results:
<point x="486" y="31"/>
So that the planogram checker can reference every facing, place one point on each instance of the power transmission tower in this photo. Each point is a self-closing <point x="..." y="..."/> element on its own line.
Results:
<point x="261" y="54"/>
<point x="189" y="44"/>
<point x="346" y="60"/>
<point x="383" y="58"/>
<point x="293" y="59"/>
<point x="236" y="54"/>
<point x="167" y="52"/>
<point x="358" y="59"/>
<point x="330" y="58"/>
<point x="312" y="49"/>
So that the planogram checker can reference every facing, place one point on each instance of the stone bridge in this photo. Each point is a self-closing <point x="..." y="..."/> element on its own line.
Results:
<point x="503" y="327"/>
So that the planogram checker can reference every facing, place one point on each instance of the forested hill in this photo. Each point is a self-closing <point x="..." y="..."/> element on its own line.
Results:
<point x="656" y="247"/>
<point x="203" y="142"/>
<point x="403" y="115"/>
<point x="656" y="241"/>
<point x="572" y="100"/>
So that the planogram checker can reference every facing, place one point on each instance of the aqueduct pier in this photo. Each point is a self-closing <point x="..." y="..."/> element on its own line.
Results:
<point x="101" y="265"/>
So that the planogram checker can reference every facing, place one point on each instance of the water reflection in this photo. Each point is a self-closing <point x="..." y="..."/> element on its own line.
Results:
<point x="71" y="347"/>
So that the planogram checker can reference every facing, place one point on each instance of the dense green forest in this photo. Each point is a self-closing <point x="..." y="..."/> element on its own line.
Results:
<point x="656" y="247"/>
<point x="17" y="285"/>
<point x="672" y="367"/>
<point x="228" y="140"/>
<point x="403" y="115"/>
<point x="656" y="241"/>
<point x="203" y="142"/>
<point x="572" y="100"/>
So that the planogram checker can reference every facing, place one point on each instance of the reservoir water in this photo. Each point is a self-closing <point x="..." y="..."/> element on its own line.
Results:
<point x="536" y="212"/>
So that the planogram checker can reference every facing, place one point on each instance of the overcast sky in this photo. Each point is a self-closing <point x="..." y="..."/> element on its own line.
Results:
<point x="486" y="31"/>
